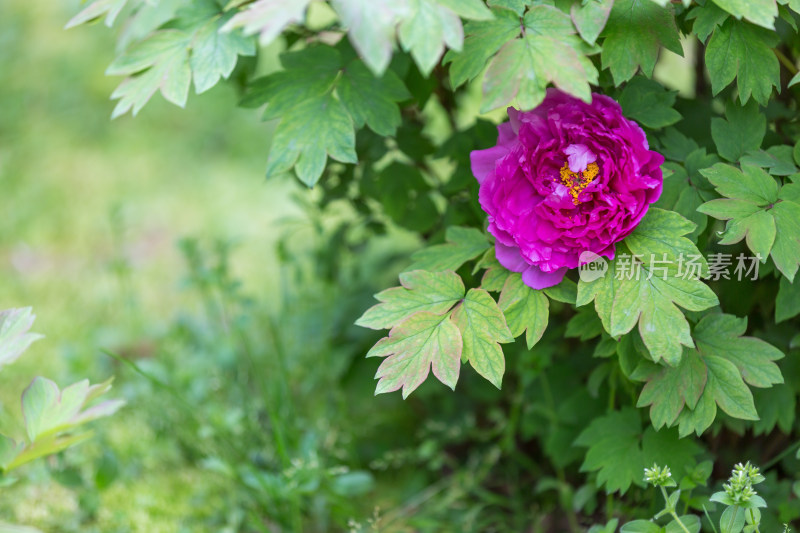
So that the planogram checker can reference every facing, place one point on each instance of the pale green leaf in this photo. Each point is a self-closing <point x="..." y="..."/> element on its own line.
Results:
<point x="462" y="245"/>
<point x="268" y="18"/>
<point x="549" y="51"/>
<point x="435" y="292"/>
<point x="49" y="411"/>
<point x="525" y="309"/>
<point x="163" y="60"/>
<point x="422" y="343"/>
<point x="371" y="28"/>
<point x="427" y="30"/>
<point x="590" y="18"/>
<point x="483" y="326"/>
<point x="97" y="9"/>
<point x="14" y="333"/>
<point x="484" y="39"/>
<point x="214" y="54"/>
<point x="761" y="12"/>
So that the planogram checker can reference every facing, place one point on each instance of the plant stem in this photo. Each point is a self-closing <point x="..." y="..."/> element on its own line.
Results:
<point x="672" y="510"/>
<point x="785" y="61"/>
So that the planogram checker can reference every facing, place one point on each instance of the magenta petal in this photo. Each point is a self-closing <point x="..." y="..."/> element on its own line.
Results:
<point x="483" y="161"/>
<point x="509" y="257"/>
<point x="535" y="278"/>
<point x="506" y="136"/>
<point x="579" y="156"/>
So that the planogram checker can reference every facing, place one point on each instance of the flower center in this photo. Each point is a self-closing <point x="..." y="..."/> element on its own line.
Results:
<point x="577" y="181"/>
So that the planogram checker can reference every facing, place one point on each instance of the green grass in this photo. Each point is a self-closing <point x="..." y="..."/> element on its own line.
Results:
<point x="91" y="213"/>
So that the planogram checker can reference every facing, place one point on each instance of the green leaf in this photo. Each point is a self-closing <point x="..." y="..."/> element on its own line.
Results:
<point x="690" y="522"/>
<point x="214" y="54"/>
<point x="371" y="100"/>
<point x="751" y="184"/>
<point x="625" y="296"/>
<point x="640" y="526"/>
<point x="420" y="291"/>
<point x="268" y="18"/>
<point x="649" y="103"/>
<point x="525" y="309"/>
<point x="14" y="335"/>
<point x="786" y="250"/>
<point x="721" y="335"/>
<point x="49" y="411"/>
<point x="634" y="33"/>
<point x="756" y="209"/>
<point x="308" y="134"/>
<point x="761" y="12"/>
<point x="584" y="325"/>
<point x="776" y="407"/>
<point x="421" y="343"/>
<point x="713" y="374"/>
<point x="743" y="51"/>
<point x="9" y="450"/>
<point x="462" y="245"/>
<point x="787" y="305"/>
<point x="619" y="451"/>
<point x="732" y="519"/>
<point x="371" y="27"/>
<point x="517" y="6"/>
<point x="590" y="18"/>
<point x="164" y="59"/>
<point x="483" y="326"/>
<point x="549" y="51"/>
<point x="469" y="9"/>
<point x="484" y="39"/>
<point x="96" y="10"/>
<point x="427" y="30"/>
<point x="731" y="360"/>
<point x="706" y="19"/>
<point x="778" y="159"/>
<point x="672" y="388"/>
<point x="314" y="122"/>
<point x="742" y="130"/>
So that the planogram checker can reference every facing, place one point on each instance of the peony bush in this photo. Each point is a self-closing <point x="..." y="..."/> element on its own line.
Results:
<point x="615" y="255"/>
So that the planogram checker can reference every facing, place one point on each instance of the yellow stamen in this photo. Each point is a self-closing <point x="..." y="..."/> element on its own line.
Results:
<point x="577" y="181"/>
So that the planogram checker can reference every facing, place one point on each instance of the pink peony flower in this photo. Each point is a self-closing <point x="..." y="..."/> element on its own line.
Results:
<point x="565" y="178"/>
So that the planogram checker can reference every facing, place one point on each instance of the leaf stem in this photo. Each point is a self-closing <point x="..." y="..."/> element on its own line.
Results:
<point x="671" y="510"/>
<point x="785" y="61"/>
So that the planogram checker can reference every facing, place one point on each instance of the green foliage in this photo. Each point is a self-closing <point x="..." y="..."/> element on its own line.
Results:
<point x="619" y="449"/>
<point x="634" y="33"/>
<point x="759" y="210"/>
<point x="713" y="374"/>
<point x="648" y="291"/>
<point x="397" y="94"/>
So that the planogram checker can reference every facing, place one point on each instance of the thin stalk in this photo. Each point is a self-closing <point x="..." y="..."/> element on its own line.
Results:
<point x="672" y="510"/>
<point x="785" y="61"/>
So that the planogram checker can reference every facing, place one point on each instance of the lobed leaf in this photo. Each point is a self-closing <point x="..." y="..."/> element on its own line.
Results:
<point x="483" y="327"/>
<point x="421" y="343"/>
<point x="434" y="292"/>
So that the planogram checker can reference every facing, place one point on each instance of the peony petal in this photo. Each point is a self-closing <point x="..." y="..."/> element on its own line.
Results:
<point x="484" y="161"/>
<point x="579" y="156"/>
<point x="510" y="257"/>
<point x="535" y="278"/>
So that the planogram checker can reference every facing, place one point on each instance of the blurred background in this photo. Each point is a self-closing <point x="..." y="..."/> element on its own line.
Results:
<point x="152" y="249"/>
